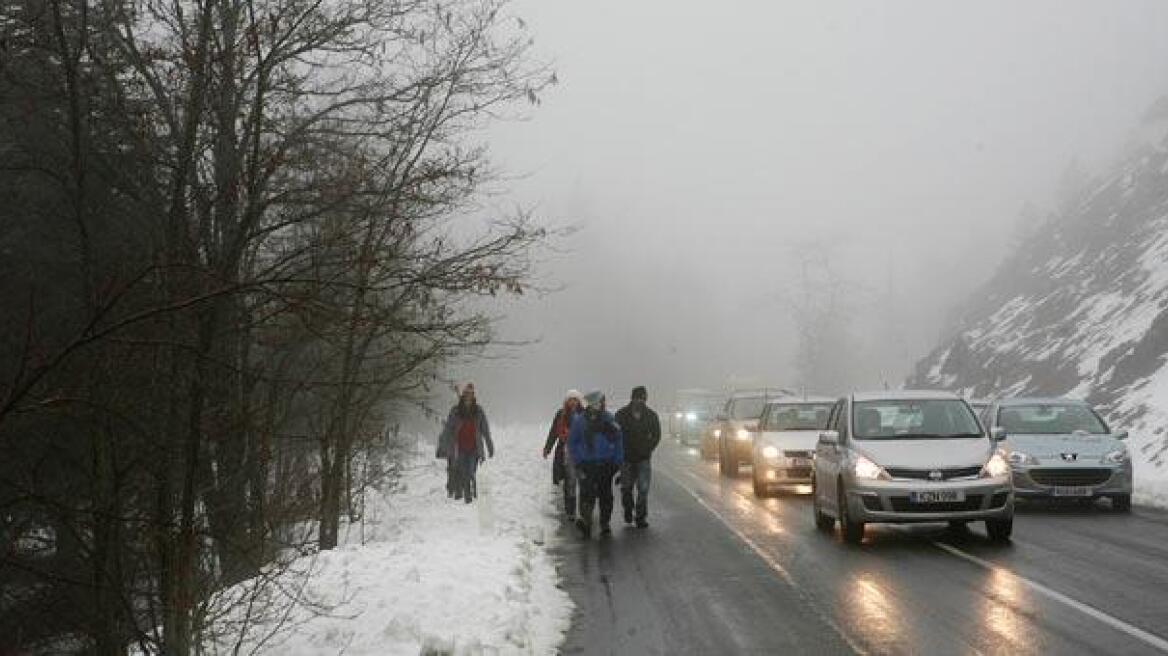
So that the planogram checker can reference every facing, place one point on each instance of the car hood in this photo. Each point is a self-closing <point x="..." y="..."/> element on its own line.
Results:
<point x="1052" y="446"/>
<point x="790" y="440"/>
<point x="926" y="454"/>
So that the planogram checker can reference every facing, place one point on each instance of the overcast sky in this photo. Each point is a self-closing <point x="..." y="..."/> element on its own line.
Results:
<point x="704" y="148"/>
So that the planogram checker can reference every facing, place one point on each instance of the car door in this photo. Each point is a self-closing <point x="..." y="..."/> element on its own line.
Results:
<point x="827" y="461"/>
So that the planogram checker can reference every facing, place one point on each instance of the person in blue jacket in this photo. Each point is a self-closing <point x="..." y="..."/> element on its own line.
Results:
<point x="598" y="449"/>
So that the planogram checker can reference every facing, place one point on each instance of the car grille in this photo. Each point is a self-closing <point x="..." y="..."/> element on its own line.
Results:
<point x="999" y="499"/>
<point x="902" y="504"/>
<point x="1070" y="476"/>
<point x="923" y="474"/>
<point x="798" y="454"/>
<point x="798" y="472"/>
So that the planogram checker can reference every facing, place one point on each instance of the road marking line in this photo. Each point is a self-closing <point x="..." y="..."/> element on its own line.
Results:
<point x="771" y="562"/>
<point x="1147" y="638"/>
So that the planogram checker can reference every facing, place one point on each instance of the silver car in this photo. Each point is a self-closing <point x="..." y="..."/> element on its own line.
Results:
<point x="1062" y="448"/>
<point x="898" y="457"/>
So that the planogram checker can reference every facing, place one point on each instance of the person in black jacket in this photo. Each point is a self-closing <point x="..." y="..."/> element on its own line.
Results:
<point x="557" y="440"/>
<point x="642" y="431"/>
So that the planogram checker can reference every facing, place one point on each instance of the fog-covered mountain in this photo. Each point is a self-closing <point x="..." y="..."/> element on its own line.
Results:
<point x="1079" y="309"/>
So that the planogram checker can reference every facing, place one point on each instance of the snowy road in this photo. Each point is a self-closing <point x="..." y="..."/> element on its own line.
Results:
<point x="720" y="571"/>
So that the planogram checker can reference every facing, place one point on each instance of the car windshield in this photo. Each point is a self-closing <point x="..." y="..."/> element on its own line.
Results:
<point x="747" y="408"/>
<point x="797" y="416"/>
<point x="1050" y="419"/>
<point x="927" y="418"/>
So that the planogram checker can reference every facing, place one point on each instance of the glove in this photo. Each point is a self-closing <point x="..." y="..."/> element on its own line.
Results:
<point x="482" y="460"/>
<point x="545" y="455"/>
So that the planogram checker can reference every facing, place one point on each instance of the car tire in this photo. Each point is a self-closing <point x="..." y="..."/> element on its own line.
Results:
<point x="851" y="530"/>
<point x="1121" y="503"/>
<point x="999" y="530"/>
<point x="760" y="488"/>
<point x="823" y="521"/>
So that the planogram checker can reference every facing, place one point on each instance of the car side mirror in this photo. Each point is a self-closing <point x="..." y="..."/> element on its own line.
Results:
<point x="1121" y="435"/>
<point x="829" y="437"/>
<point x="997" y="433"/>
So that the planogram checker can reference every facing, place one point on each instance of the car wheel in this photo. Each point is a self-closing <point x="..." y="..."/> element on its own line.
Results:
<point x="1121" y="503"/>
<point x="999" y="530"/>
<point x="853" y="531"/>
<point x="823" y="522"/>
<point x="760" y="488"/>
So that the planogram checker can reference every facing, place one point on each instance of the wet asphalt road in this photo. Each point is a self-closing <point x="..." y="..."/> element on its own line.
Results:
<point x="721" y="572"/>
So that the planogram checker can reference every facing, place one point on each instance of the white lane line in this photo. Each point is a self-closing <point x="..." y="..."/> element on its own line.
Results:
<point x="771" y="562"/>
<point x="1136" y="632"/>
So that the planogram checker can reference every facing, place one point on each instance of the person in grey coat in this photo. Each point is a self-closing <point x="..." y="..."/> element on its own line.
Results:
<point x="465" y="442"/>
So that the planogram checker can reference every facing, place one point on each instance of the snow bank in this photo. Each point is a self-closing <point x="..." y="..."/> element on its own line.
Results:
<point x="434" y="575"/>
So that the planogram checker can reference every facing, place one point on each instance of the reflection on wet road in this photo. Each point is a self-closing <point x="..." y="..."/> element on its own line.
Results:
<point x="721" y="571"/>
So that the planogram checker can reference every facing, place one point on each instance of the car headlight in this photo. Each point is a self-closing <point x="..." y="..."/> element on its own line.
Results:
<point x="865" y="469"/>
<point x="677" y="415"/>
<point x="770" y="452"/>
<point x="1116" y="457"/>
<point x="743" y="434"/>
<point x="717" y="432"/>
<point x="691" y="416"/>
<point x="995" y="467"/>
<point x="1019" y="458"/>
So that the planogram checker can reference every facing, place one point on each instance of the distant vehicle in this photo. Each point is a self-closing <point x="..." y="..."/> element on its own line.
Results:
<point x="691" y="425"/>
<point x="784" y="447"/>
<point x="1061" y="448"/>
<point x="733" y="430"/>
<point x="693" y="409"/>
<point x="901" y="456"/>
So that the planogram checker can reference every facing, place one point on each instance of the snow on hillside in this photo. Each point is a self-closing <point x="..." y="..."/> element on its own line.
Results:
<point x="1081" y="309"/>
<point x="433" y="575"/>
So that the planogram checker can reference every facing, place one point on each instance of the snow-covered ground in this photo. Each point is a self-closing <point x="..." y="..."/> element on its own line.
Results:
<point x="434" y="576"/>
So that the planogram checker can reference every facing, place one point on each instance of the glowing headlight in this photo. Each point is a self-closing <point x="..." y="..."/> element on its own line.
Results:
<point x="770" y="452"/>
<point x="867" y="470"/>
<point x="717" y="432"/>
<point x="996" y="466"/>
<point x="1116" y="457"/>
<point x="691" y="416"/>
<point x="1019" y="458"/>
<point x="743" y="434"/>
<point x="677" y="415"/>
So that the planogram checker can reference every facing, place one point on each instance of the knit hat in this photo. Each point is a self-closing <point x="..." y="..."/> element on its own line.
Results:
<point x="593" y="399"/>
<point x="575" y="394"/>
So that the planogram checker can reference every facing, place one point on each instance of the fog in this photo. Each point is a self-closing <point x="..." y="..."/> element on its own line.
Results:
<point x="710" y="153"/>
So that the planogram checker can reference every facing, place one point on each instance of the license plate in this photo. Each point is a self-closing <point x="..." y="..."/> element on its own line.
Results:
<point x="799" y="462"/>
<point x="938" y="496"/>
<point x="1062" y="491"/>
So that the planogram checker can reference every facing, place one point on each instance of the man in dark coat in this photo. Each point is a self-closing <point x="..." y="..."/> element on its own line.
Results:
<point x="596" y="447"/>
<point x="642" y="431"/>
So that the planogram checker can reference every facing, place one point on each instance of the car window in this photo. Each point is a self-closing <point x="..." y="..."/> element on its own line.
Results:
<point x="931" y="418"/>
<point x="1050" y="419"/>
<point x="747" y="408"/>
<point x="796" y="416"/>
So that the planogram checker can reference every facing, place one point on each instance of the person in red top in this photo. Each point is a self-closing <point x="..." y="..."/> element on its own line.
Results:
<point x="562" y="468"/>
<point x="465" y="442"/>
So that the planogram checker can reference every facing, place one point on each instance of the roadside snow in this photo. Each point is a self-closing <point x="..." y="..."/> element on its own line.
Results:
<point x="434" y="575"/>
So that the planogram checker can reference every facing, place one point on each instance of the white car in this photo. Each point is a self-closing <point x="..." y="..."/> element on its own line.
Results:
<point x="784" y="447"/>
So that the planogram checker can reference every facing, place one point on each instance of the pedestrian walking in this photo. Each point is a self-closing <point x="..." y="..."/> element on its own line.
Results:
<point x="563" y="471"/>
<point x="465" y="442"/>
<point x="642" y="433"/>
<point x="597" y="450"/>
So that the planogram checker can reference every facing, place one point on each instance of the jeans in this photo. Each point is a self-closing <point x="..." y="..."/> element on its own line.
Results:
<point x="639" y="474"/>
<point x="466" y="485"/>
<point x="596" y="485"/>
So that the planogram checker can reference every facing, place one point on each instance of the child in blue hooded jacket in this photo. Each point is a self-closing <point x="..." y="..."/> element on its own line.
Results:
<point x="597" y="447"/>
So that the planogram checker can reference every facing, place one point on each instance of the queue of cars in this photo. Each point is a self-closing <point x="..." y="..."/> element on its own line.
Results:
<point x="920" y="456"/>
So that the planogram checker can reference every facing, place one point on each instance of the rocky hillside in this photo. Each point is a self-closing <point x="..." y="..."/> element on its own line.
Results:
<point x="1079" y="309"/>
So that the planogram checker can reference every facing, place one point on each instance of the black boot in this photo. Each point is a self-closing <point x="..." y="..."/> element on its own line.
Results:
<point x="584" y="527"/>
